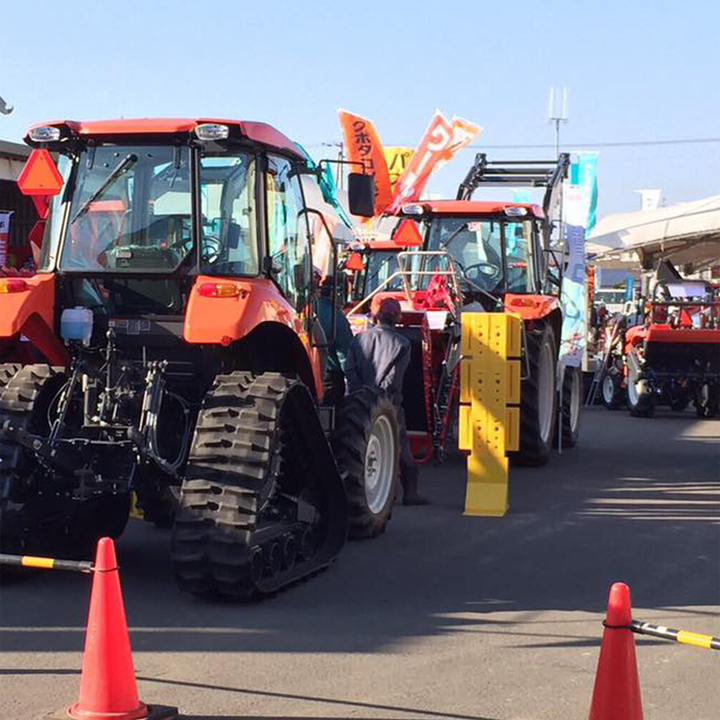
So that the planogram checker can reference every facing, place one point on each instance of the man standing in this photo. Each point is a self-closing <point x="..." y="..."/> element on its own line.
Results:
<point x="378" y="358"/>
<point x="338" y="349"/>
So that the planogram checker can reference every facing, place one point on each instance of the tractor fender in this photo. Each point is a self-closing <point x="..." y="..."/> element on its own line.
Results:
<point x="223" y="320"/>
<point x="17" y="307"/>
<point x="256" y="321"/>
<point x="30" y="312"/>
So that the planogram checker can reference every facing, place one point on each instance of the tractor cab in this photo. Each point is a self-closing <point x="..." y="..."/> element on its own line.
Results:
<point x="495" y="248"/>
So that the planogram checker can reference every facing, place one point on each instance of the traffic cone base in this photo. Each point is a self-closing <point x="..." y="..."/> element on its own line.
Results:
<point x="157" y="712"/>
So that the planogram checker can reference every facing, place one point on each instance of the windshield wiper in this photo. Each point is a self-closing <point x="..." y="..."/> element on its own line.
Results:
<point x="124" y="164"/>
<point x="443" y="246"/>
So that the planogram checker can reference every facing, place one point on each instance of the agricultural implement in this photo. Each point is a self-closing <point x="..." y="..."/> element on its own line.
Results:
<point x="484" y="256"/>
<point x="169" y="349"/>
<point x="673" y="357"/>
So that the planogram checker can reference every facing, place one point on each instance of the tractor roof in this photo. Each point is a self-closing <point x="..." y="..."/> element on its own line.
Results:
<point x="254" y="131"/>
<point x="473" y="207"/>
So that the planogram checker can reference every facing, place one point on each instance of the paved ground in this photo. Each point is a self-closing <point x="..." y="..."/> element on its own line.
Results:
<point x="444" y="616"/>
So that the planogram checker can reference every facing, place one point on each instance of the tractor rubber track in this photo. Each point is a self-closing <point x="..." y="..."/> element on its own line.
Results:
<point x="18" y="401"/>
<point x="7" y="370"/>
<point x="262" y="504"/>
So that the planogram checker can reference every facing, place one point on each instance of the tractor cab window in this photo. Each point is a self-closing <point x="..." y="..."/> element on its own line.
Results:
<point x="381" y="265"/>
<point x="490" y="255"/>
<point x="228" y="243"/>
<point x="518" y="238"/>
<point x="130" y="210"/>
<point x="288" y="232"/>
<point x="475" y="247"/>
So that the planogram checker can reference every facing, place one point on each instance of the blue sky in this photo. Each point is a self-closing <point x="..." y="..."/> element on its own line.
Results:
<point x="634" y="71"/>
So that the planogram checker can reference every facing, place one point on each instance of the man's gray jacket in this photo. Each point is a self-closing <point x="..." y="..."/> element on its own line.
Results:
<point x="378" y="358"/>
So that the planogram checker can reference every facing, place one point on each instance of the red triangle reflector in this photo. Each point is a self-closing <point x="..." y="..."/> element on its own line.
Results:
<point x="407" y="234"/>
<point x="355" y="262"/>
<point x="40" y="176"/>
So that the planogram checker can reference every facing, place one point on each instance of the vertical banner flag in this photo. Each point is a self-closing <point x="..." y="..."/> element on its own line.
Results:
<point x="363" y="145"/>
<point x="579" y="207"/>
<point x="442" y="140"/>
<point x="464" y="132"/>
<point x="4" y="237"/>
<point x="397" y="159"/>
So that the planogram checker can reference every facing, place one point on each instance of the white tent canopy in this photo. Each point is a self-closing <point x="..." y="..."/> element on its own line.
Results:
<point x="686" y="233"/>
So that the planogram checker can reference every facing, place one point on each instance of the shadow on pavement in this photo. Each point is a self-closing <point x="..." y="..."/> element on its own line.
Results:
<point x="354" y="704"/>
<point x="636" y="501"/>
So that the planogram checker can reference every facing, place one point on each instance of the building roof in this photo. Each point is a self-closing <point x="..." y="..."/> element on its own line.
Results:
<point x="14" y="151"/>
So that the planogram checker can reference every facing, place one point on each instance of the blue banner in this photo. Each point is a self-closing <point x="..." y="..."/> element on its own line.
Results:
<point x="579" y="216"/>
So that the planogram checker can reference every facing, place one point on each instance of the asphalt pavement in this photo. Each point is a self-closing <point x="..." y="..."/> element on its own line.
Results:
<point x="442" y="617"/>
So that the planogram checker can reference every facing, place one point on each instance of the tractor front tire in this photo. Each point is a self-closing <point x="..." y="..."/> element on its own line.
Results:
<point x="707" y="400"/>
<point x="640" y="396"/>
<point x="612" y="394"/>
<point x="538" y="401"/>
<point x="366" y="443"/>
<point x="572" y="397"/>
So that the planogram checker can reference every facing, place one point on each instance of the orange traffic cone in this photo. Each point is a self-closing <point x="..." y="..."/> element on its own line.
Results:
<point x="617" y="688"/>
<point x="107" y="687"/>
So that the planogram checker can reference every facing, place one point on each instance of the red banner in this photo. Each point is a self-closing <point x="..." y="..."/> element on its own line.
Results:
<point x="440" y="143"/>
<point x="464" y="132"/>
<point x="429" y="152"/>
<point x="363" y="145"/>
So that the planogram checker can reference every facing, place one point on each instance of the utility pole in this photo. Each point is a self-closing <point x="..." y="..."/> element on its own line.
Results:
<point x="340" y="158"/>
<point x="557" y="114"/>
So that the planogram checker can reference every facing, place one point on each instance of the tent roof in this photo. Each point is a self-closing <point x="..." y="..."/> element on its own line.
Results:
<point x="686" y="233"/>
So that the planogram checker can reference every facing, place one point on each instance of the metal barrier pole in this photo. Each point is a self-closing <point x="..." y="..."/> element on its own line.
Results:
<point x="45" y="563"/>
<point x="680" y="636"/>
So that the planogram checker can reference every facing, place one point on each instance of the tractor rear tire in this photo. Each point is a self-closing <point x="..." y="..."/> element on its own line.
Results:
<point x="572" y="398"/>
<point x="538" y="401"/>
<point x="366" y="443"/>
<point x="640" y="397"/>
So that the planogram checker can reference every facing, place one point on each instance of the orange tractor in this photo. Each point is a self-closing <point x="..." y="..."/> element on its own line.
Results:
<point x="487" y="256"/>
<point x="673" y="356"/>
<point x="168" y="348"/>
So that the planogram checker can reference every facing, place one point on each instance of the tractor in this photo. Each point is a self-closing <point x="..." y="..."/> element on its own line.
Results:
<point x="672" y="357"/>
<point x="452" y="256"/>
<point x="168" y="354"/>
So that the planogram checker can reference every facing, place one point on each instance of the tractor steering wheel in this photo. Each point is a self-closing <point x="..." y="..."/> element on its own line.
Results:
<point x="486" y="272"/>
<point x="212" y="248"/>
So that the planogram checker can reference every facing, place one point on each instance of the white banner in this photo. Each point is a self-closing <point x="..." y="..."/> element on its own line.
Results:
<point x="4" y="236"/>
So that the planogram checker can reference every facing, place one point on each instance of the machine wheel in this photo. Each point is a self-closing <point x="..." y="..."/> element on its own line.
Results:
<point x="572" y="397"/>
<point x="612" y="393"/>
<point x="640" y="397"/>
<point x="25" y="401"/>
<point x="707" y="400"/>
<point x="538" y="401"/>
<point x="35" y="518"/>
<point x="367" y="449"/>
<point x="680" y="403"/>
<point x="262" y="503"/>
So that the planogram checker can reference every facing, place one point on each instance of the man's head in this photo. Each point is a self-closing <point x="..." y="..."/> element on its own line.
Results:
<point x="389" y="312"/>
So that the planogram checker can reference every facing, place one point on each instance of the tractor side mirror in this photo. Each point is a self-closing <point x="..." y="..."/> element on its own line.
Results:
<point x="361" y="194"/>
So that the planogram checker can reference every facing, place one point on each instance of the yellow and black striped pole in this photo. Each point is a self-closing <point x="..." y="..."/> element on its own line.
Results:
<point x="46" y="563"/>
<point x="681" y="636"/>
